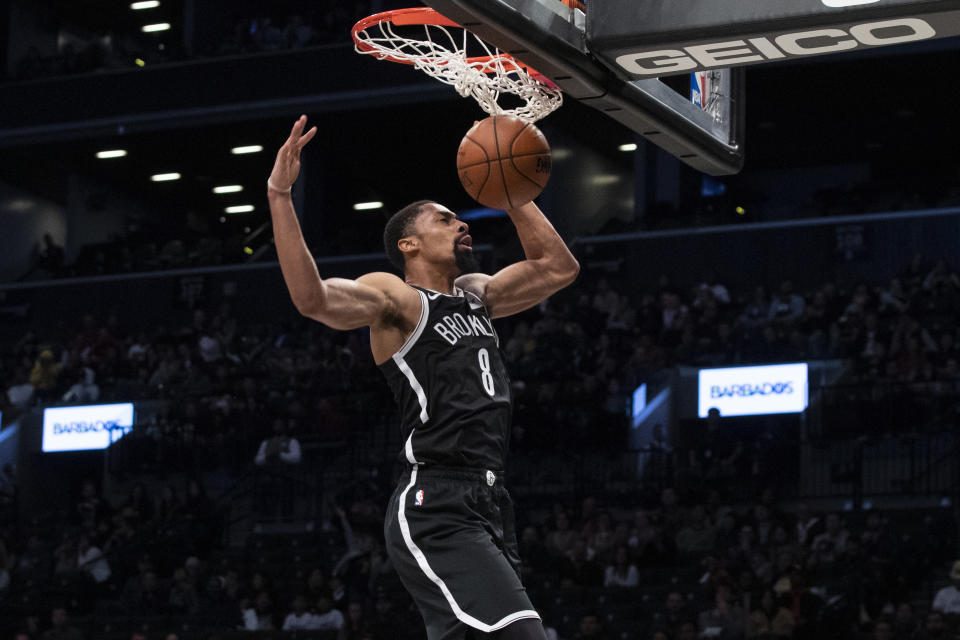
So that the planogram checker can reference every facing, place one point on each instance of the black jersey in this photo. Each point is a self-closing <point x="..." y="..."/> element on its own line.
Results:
<point x="451" y="385"/>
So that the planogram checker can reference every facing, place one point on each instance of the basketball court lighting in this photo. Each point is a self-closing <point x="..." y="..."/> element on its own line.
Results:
<point x="146" y="4"/>
<point x="630" y="146"/>
<point x="228" y="188"/>
<point x="250" y="148"/>
<point x="160" y="26"/>
<point x="111" y="153"/>
<point x="165" y="177"/>
<point x="239" y="208"/>
<point x="367" y="206"/>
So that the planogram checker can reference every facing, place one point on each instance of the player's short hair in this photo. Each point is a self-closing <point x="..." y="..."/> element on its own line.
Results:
<point x="400" y="225"/>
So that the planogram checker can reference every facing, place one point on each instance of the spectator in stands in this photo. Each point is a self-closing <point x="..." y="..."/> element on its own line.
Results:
<point x="696" y="537"/>
<point x="259" y="616"/>
<point x="904" y="623"/>
<point x="947" y="599"/>
<point x="183" y="597"/>
<point x="300" y="616"/>
<point x="589" y="628"/>
<point x="675" y="613"/>
<point x="355" y="625"/>
<point x="84" y="388"/>
<point x="725" y="620"/>
<point x="91" y="560"/>
<point x="20" y="393"/>
<point x="281" y="448"/>
<point x="622" y="573"/>
<point x="44" y="374"/>
<point x="61" y="628"/>
<point x="563" y="539"/>
<point x="326" y="618"/>
<point x="215" y="608"/>
<point x="882" y="630"/>
<point x="934" y="629"/>
<point x="770" y="619"/>
<point x="828" y="546"/>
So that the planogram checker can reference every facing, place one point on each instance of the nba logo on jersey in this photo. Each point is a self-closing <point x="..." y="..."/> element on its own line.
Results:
<point x="419" y="499"/>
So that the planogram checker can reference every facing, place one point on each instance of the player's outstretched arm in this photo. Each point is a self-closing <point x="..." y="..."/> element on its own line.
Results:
<point x="549" y="266"/>
<point x="336" y="302"/>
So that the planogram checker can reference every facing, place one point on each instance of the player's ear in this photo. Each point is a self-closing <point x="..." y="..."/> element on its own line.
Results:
<point x="408" y="245"/>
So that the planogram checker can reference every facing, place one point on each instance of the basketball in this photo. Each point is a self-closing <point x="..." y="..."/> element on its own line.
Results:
<point x="503" y="162"/>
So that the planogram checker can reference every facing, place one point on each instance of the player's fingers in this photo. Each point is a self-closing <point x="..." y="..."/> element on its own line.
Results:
<point x="298" y="127"/>
<point x="308" y="136"/>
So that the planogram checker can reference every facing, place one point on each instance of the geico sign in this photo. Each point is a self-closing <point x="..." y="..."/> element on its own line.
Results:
<point x="787" y="45"/>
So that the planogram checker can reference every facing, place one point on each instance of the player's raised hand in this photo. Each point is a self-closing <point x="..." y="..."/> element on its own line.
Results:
<point x="287" y="166"/>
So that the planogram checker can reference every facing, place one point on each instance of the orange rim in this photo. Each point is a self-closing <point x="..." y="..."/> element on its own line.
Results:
<point x="422" y="16"/>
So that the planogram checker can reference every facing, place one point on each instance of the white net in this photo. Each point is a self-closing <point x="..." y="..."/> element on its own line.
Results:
<point x="484" y="73"/>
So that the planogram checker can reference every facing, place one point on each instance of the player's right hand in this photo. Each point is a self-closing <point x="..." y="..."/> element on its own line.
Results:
<point x="287" y="165"/>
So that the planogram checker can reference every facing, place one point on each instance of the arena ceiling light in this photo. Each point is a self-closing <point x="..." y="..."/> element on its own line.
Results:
<point x="367" y="206"/>
<point x="146" y="4"/>
<point x="151" y="28"/>
<point x="630" y="146"/>
<point x="111" y="153"/>
<point x="165" y="177"/>
<point x="228" y="188"/>
<point x="240" y="208"/>
<point x="250" y="148"/>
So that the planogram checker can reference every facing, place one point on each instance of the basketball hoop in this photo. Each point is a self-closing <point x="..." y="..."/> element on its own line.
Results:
<point x="428" y="41"/>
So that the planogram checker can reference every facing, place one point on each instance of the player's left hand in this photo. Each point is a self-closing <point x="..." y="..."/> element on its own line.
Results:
<point x="287" y="166"/>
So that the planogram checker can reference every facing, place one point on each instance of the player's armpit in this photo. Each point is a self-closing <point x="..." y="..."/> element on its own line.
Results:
<point x="370" y="300"/>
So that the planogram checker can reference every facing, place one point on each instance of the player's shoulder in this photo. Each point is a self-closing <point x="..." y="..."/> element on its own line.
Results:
<point x="386" y="282"/>
<point x="404" y="302"/>
<point x="475" y="283"/>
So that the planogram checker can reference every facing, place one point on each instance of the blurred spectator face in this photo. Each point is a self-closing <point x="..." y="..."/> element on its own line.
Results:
<point x="589" y="626"/>
<point x="171" y="636"/>
<point x="300" y="605"/>
<point x="674" y="602"/>
<point x="659" y="635"/>
<point x="315" y="581"/>
<point x="355" y="611"/>
<point x="58" y="617"/>
<point x="882" y="631"/>
<point x="621" y="556"/>
<point x="935" y="626"/>
<point x="138" y="636"/>
<point x="904" y="613"/>
<point x="324" y="604"/>
<point x="263" y="601"/>
<point x="688" y="631"/>
<point x="563" y="522"/>
<point x="668" y="498"/>
<point x="530" y="535"/>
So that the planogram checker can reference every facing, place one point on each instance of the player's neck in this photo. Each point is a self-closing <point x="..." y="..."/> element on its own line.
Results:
<point x="430" y="277"/>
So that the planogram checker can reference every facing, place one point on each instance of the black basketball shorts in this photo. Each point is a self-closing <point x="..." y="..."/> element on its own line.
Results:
<point x="451" y="536"/>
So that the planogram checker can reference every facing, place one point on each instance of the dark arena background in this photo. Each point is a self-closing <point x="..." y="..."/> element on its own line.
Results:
<point x="741" y="420"/>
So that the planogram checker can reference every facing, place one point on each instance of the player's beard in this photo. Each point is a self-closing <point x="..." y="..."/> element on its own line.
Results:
<point x="465" y="261"/>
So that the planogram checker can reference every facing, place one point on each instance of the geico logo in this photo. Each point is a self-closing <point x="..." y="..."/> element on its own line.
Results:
<point x="750" y="390"/>
<point x="787" y="45"/>
<point x="82" y="427"/>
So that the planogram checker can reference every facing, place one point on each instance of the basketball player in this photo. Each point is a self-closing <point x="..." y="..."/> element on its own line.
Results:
<point x="449" y="525"/>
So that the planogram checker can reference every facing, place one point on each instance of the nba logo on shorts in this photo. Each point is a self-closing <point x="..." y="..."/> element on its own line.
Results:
<point x="419" y="499"/>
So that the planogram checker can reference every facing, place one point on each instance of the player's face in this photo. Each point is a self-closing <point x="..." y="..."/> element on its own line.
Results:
<point x="444" y="239"/>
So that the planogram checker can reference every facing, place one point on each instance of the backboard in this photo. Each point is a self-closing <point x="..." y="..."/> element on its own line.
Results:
<point x="613" y="55"/>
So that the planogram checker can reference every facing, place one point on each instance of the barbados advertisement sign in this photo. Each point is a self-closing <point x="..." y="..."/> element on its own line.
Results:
<point x="751" y="391"/>
<point x="86" y="427"/>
